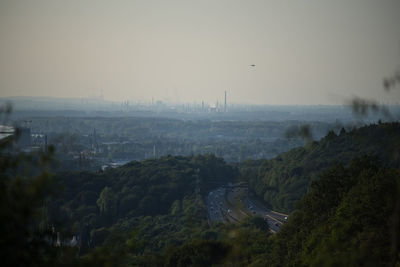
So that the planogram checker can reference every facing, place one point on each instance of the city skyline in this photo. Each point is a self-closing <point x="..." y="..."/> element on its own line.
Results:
<point x="260" y="52"/>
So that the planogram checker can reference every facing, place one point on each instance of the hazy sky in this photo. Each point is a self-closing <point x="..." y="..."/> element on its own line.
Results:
<point x="305" y="52"/>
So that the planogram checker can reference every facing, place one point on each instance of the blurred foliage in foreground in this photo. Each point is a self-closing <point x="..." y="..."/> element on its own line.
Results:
<point x="25" y="187"/>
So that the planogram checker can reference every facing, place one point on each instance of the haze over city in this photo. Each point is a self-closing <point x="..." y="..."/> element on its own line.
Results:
<point x="303" y="52"/>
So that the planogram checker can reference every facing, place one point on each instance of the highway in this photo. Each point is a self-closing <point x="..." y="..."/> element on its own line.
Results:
<point x="231" y="204"/>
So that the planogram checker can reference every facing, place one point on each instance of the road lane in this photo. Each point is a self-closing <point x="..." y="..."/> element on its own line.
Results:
<point x="231" y="204"/>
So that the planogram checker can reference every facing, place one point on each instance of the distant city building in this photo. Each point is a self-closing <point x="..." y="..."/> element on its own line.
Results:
<point x="6" y="131"/>
<point x="225" y="103"/>
<point x="24" y="140"/>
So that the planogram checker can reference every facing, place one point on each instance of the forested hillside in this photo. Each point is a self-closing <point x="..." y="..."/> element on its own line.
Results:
<point x="282" y="181"/>
<point x="161" y="197"/>
<point x="350" y="217"/>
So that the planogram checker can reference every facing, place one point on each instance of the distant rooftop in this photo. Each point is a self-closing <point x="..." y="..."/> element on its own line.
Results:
<point x="6" y="131"/>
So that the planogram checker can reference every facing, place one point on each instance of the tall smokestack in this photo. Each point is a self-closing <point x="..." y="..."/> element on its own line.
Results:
<point x="225" y="103"/>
